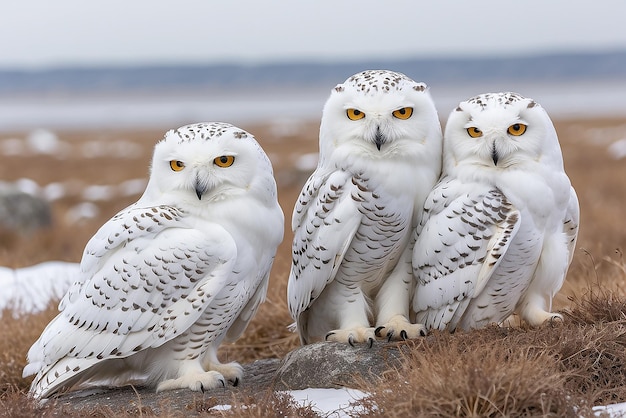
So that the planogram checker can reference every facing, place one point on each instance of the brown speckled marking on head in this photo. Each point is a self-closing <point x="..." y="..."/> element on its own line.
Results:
<point x="207" y="131"/>
<point x="384" y="81"/>
<point x="498" y="99"/>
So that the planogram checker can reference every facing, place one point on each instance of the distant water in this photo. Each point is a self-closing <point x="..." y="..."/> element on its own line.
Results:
<point x="171" y="109"/>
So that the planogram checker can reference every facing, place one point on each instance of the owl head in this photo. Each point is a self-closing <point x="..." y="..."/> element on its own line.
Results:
<point x="376" y="113"/>
<point x="208" y="162"/>
<point x="500" y="131"/>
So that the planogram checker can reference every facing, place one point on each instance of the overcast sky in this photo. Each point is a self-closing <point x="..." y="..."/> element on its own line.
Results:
<point x="52" y="33"/>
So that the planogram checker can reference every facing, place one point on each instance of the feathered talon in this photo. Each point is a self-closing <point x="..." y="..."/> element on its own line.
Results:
<point x="377" y="331"/>
<point x="351" y="340"/>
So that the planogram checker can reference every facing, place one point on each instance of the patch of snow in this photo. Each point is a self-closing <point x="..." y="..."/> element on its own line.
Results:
<point x="614" y="410"/>
<point x="326" y="402"/>
<point x="222" y="407"/>
<point x="27" y="186"/>
<point x="618" y="149"/>
<point x="98" y="192"/>
<point x="307" y="162"/>
<point x="42" y="141"/>
<point x="31" y="289"/>
<point x="84" y="210"/>
<point x="54" y="191"/>
<point x="132" y="187"/>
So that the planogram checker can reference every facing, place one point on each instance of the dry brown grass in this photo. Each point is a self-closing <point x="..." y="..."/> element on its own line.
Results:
<point x="555" y="370"/>
<point x="496" y="371"/>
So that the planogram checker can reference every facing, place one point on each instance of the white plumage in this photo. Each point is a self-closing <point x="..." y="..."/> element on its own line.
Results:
<point x="380" y="155"/>
<point x="167" y="279"/>
<point x="499" y="229"/>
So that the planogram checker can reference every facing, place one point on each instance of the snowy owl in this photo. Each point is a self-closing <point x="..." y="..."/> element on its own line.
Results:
<point x="167" y="279"/>
<point x="499" y="229"/>
<point x="380" y="155"/>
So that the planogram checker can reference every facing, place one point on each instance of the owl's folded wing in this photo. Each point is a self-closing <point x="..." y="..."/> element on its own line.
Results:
<point x="321" y="239"/>
<point x="457" y="250"/>
<point x="147" y="277"/>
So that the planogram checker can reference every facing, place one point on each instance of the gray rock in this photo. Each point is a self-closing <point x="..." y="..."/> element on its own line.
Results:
<point x="22" y="212"/>
<point x="257" y="379"/>
<point x="333" y="365"/>
<point x="322" y="365"/>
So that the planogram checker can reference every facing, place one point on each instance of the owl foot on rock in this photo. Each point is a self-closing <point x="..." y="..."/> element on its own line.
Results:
<point x="353" y="336"/>
<point x="197" y="382"/>
<point x="398" y="328"/>
<point x="232" y="372"/>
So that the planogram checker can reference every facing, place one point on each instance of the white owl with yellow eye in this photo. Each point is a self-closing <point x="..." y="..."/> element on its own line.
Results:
<point x="499" y="229"/>
<point x="169" y="278"/>
<point x="380" y="155"/>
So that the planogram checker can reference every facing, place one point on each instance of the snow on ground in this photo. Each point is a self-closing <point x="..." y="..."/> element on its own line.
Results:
<point x="329" y="402"/>
<point x="333" y="403"/>
<point x="618" y="149"/>
<point x="615" y="410"/>
<point x="307" y="162"/>
<point x="31" y="289"/>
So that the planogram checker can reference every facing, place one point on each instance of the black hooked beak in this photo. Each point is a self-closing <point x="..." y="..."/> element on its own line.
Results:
<point x="200" y="189"/>
<point x="494" y="154"/>
<point x="379" y="139"/>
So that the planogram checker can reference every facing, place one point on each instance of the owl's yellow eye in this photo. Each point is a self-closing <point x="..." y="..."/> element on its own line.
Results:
<point x="224" y="161"/>
<point x="355" y="114"/>
<point x="474" y="132"/>
<point x="403" y="113"/>
<point x="177" y="165"/>
<point x="517" y="129"/>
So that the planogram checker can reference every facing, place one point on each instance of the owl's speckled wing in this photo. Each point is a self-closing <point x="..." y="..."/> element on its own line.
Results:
<point x="325" y="220"/>
<point x="146" y="277"/>
<point x="464" y="234"/>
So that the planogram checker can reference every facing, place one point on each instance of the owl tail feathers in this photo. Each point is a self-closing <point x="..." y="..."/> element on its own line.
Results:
<point x="61" y="377"/>
<point x="49" y="381"/>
